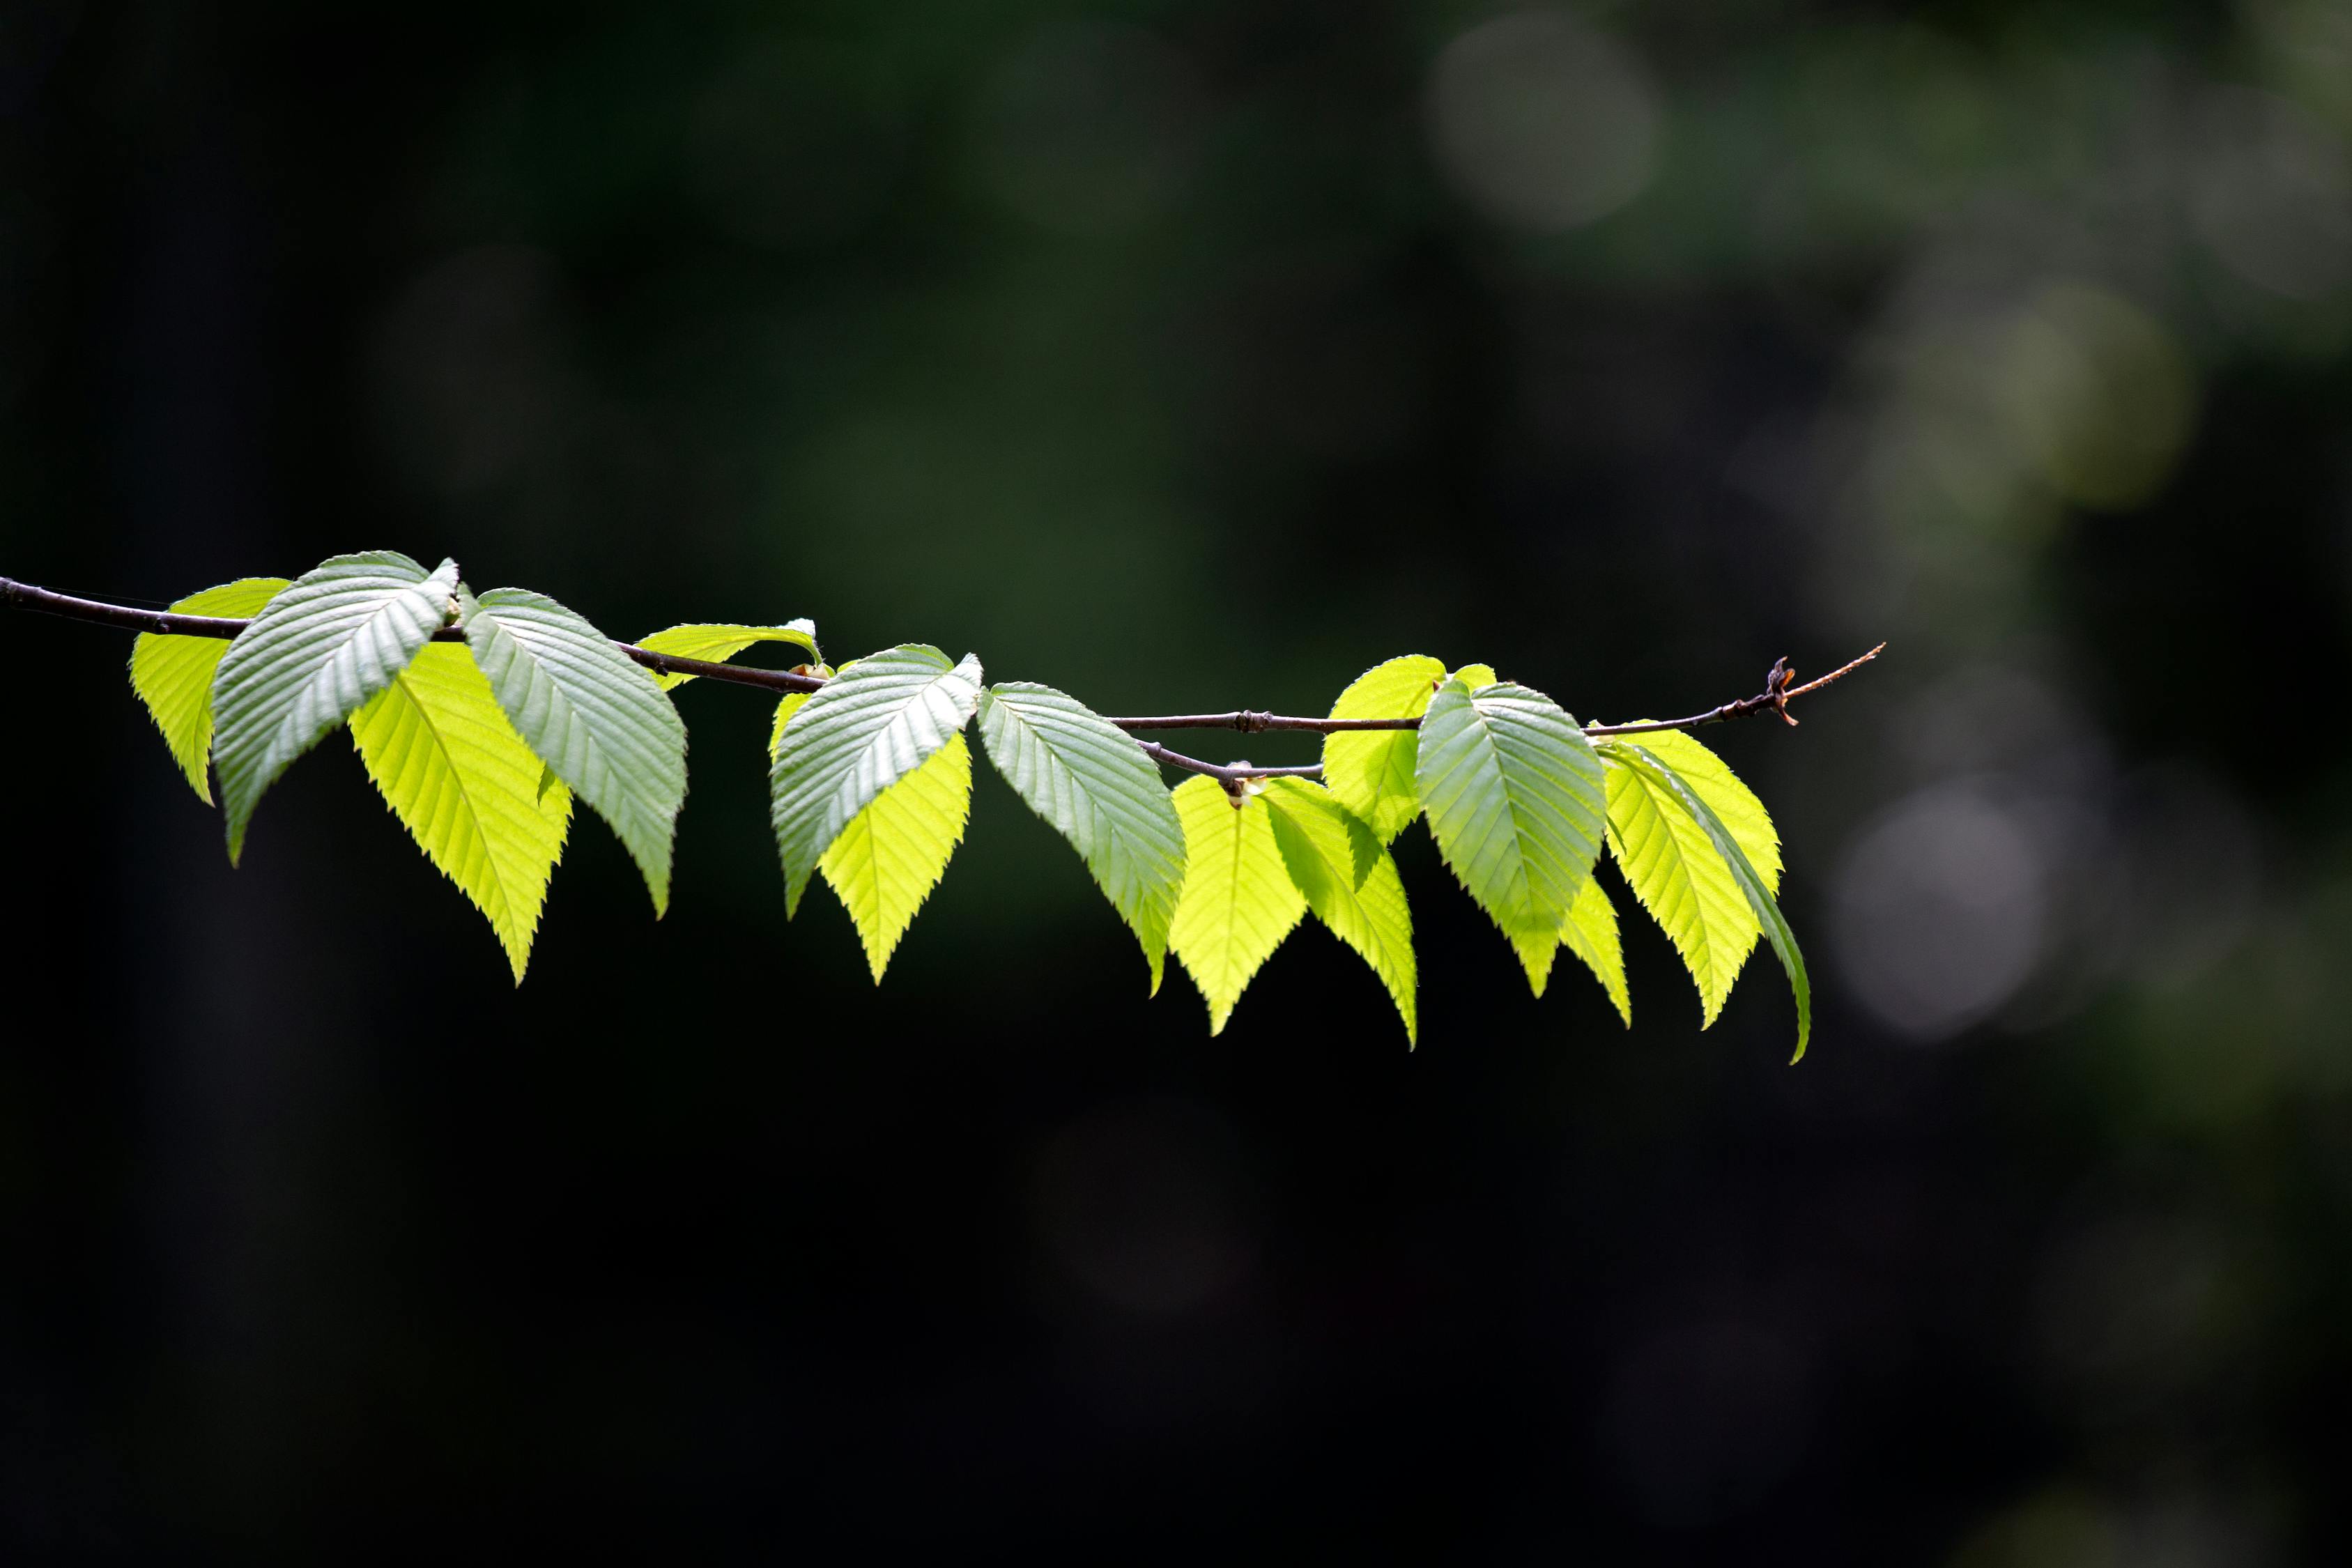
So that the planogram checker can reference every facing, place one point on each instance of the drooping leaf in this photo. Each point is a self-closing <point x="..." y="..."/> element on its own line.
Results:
<point x="328" y="641"/>
<point x="1672" y="865"/>
<point x="173" y="675"/>
<point x="1591" y="933"/>
<point x="1751" y="882"/>
<point x="1514" y="796"/>
<point x="453" y="770"/>
<point x="892" y="854"/>
<point x="1722" y="789"/>
<point x="871" y="725"/>
<point x="1086" y="777"/>
<point x="718" y="644"/>
<point x="1321" y="842"/>
<point x="1372" y="771"/>
<point x="597" y="719"/>
<point x="1239" y="901"/>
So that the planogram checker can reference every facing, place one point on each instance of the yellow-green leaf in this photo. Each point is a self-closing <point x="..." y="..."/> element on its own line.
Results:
<point x="718" y="644"/>
<point x="892" y="854"/>
<point x="1733" y="802"/>
<point x="786" y="706"/>
<point x="1591" y="933"/>
<point x="877" y="721"/>
<point x="1370" y="771"/>
<point x="1674" y="870"/>
<point x="453" y="770"/>
<point x="1321" y="843"/>
<point x="1536" y="948"/>
<point x="173" y="675"/>
<point x="1750" y="883"/>
<point x="1239" y="901"/>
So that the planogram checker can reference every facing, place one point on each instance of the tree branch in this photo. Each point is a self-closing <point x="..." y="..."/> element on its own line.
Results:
<point x="1778" y="685"/>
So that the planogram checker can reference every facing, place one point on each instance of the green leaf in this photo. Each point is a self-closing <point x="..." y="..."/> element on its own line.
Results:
<point x="1591" y="933"/>
<point x="596" y="717"/>
<point x="1372" y="771"/>
<point x="1512" y="793"/>
<point x="1672" y="864"/>
<point x="328" y="641"/>
<point x="1369" y="771"/>
<point x="1239" y="901"/>
<point x="892" y="854"/>
<point x="718" y="644"/>
<point x="458" y="777"/>
<point x="1086" y="777"/>
<point x="786" y="706"/>
<point x="871" y="725"/>
<point x="1536" y="948"/>
<point x="1732" y="801"/>
<point x="1321" y="842"/>
<point x="173" y="675"/>
<point x="1475" y="676"/>
<point x="1750" y="881"/>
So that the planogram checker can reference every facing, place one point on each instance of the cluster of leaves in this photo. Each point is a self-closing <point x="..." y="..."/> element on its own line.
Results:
<point x="482" y="745"/>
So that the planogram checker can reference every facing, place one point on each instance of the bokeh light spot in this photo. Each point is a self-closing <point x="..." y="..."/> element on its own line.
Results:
<point x="1540" y="122"/>
<point x="1939" y="911"/>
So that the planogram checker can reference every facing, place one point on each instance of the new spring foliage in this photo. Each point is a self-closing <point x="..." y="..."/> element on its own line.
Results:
<point x="483" y="719"/>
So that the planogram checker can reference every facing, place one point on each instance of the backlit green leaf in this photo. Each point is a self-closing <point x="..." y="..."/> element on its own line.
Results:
<point x="718" y="644"/>
<point x="1732" y="800"/>
<point x="173" y="675"/>
<point x="892" y="854"/>
<point x="1086" y="777"/>
<point x="871" y="725"/>
<point x="1370" y="771"/>
<point x="1591" y="933"/>
<point x="1751" y="882"/>
<point x="1321" y="843"/>
<point x="453" y="770"/>
<point x="1536" y="948"/>
<point x="786" y="706"/>
<point x="1512" y="793"/>
<point x="1239" y="901"/>
<point x="598" y="719"/>
<point x="325" y="644"/>
<point x="1673" y="866"/>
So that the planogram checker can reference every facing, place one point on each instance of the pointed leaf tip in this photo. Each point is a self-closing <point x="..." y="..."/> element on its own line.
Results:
<point x="1321" y="842"/>
<point x="458" y="777"/>
<point x="1238" y="902"/>
<point x="885" y="864"/>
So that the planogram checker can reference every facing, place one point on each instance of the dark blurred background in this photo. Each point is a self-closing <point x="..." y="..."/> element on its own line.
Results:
<point x="1190" y="356"/>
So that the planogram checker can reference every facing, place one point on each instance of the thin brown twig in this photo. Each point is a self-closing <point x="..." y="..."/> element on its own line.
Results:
<point x="1778" y="693"/>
